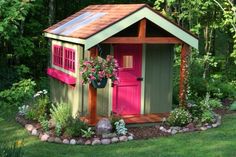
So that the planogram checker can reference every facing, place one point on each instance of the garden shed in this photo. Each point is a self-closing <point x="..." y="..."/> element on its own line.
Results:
<point x="140" y="38"/>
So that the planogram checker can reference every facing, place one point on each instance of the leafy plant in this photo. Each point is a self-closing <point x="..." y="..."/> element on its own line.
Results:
<point x="60" y="113"/>
<point x="87" y="133"/>
<point x="15" y="150"/>
<point x="58" y="130"/>
<point x="39" y="107"/>
<point x="233" y="106"/>
<point x="179" y="117"/>
<point x="74" y="127"/>
<point x="97" y="69"/>
<point x="44" y="123"/>
<point x="207" y="117"/>
<point x="18" y="94"/>
<point x="23" y="110"/>
<point x="120" y="127"/>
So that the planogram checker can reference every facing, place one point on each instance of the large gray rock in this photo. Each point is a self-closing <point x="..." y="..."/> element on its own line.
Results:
<point x="110" y="135"/>
<point x="103" y="126"/>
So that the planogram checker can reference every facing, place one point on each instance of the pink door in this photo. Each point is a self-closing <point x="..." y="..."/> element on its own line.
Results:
<point x="127" y="94"/>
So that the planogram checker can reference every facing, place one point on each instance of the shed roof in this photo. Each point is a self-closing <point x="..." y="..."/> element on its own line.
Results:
<point x="96" y="23"/>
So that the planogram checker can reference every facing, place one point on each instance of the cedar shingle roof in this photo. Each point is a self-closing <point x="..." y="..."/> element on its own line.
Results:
<point x="92" y="19"/>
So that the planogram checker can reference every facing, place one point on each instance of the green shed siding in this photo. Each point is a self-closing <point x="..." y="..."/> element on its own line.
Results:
<point x="158" y="78"/>
<point x="61" y="92"/>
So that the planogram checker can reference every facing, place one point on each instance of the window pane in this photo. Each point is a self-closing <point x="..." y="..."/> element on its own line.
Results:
<point x="127" y="61"/>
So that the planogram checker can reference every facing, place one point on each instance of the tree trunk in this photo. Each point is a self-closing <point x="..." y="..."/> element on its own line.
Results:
<point x="51" y="14"/>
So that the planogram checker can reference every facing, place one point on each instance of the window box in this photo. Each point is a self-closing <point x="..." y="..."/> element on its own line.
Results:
<point x="59" y="75"/>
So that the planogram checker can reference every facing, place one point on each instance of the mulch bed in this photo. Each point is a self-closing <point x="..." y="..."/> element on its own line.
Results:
<point x="153" y="132"/>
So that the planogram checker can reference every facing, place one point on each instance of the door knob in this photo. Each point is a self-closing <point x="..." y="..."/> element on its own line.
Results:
<point x="139" y="79"/>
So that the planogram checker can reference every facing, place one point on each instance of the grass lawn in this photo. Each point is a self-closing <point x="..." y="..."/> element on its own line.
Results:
<point x="219" y="142"/>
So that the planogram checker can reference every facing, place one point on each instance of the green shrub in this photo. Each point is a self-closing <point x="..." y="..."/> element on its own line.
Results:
<point x="214" y="103"/>
<point x="15" y="150"/>
<point x="17" y="95"/>
<point x="207" y="117"/>
<point x="74" y="127"/>
<point x="179" y="117"/>
<point x="39" y="107"/>
<point x="120" y="127"/>
<point x="60" y="113"/>
<point x="58" y="130"/>
<point x="44" y="123"/>
<point x="233" y="106"/>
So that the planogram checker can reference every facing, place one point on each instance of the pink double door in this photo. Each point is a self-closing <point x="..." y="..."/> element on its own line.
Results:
<point x="127" y="94"/>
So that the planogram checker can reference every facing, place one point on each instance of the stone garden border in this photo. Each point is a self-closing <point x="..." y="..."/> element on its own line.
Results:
<point x="111" y="138"/>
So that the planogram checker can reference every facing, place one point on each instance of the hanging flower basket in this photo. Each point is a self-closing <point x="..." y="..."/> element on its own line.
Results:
<point x="97" y="70"/>
<point x="99" y="84"/>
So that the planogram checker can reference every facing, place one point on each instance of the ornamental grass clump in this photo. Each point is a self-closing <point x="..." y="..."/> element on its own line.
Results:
<point x="98" y="69"/>
<point x="179" y="117"/>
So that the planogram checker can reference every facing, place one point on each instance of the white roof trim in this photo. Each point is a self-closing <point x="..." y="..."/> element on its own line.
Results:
<point x="135" y="17"/>
<point x="63" y="38"/>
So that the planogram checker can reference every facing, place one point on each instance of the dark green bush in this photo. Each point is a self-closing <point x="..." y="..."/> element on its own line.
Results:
<point x="17" y="95"/>
<point x="74" y="127"/>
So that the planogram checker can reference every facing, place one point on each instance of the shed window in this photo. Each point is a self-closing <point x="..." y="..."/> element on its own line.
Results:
<point x="69" y="59"/>
<point x="127" y="61"/>
<point x="57" y="55"/>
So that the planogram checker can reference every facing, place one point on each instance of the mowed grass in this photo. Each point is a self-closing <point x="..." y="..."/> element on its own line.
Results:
<point x="218" y="142"/>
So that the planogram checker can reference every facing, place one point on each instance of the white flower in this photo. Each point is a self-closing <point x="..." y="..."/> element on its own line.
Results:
<point x="45" y="91"/>
<point x="36" y="95"/>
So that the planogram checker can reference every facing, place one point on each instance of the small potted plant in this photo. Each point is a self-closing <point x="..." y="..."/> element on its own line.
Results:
<point x="97" y="70"/>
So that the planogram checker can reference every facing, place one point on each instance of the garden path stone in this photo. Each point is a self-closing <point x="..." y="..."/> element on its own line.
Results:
<point x="51" y="139"/>
<point x="44" y="137"/>
<point x="80" y="141"/>
<point x="103" y="126"/>
<point x="88" y="142"/>
<point x="123" y="138"/>
<point x="34" y="132"/>
<point x="203" y="128"/>
<point x="173" y="131"/>
<point x="109" y="135"/>
<point x="66" y="141"/>
<point x="29" y="127"/>
<point x="114" y="140"/>
<point x="130" y="138"/>
<point x="72" y="141"/>
<point x="214" y="125"/>
<point x="105" y="141"/>
<point x="96" y="142"/>
<point x="57" y="140"/>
